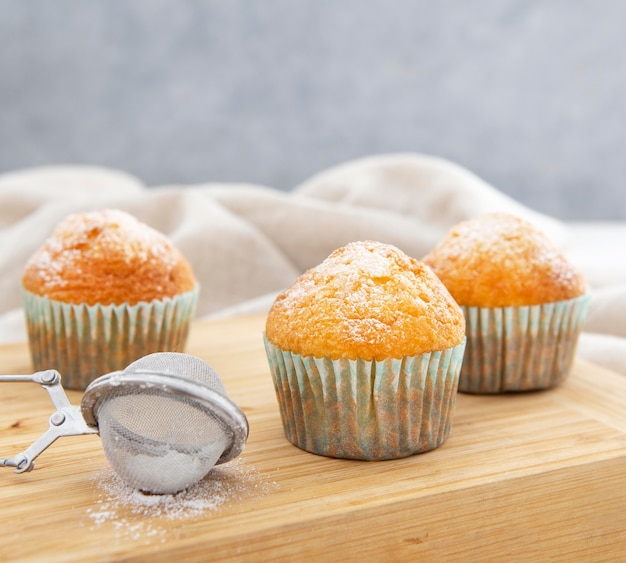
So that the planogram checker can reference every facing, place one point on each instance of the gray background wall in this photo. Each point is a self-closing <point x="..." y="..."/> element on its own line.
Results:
<point x="528" y="94"/>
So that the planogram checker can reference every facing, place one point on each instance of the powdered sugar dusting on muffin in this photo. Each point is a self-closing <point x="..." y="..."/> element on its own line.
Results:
<point x="499" y="260"/>
<point x="102" y="255"/>
<point x="367" y="300"/>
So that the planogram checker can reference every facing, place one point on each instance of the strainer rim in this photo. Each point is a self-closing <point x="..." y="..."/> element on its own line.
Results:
<point x="121" y="383"/>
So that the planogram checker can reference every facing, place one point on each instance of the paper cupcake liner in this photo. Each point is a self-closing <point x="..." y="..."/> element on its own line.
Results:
<point x="367" y="410"/>
<point x="83" y="342"/>
<point x="520" y="348"/>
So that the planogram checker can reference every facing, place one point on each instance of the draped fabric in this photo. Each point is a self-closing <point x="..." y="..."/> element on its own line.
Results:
<point x="248" y="242"/>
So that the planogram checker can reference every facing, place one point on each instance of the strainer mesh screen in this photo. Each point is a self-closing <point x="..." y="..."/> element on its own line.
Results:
<point x="161" y="442"/>
<point x="181" y="365"/>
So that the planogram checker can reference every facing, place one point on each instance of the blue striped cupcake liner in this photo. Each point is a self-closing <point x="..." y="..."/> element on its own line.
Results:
<point x="83" y="342"/>
<point x="521" y="348"/>
<point x="366" y="410"/>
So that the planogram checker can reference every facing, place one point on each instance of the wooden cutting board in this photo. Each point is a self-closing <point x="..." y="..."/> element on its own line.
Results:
<point x="528" y="477"/>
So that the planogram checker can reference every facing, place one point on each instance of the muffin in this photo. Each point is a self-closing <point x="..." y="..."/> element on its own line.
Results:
<point x="524" y="303"/>
<point x="103" y="291"/>
<point x="365" y="351"/>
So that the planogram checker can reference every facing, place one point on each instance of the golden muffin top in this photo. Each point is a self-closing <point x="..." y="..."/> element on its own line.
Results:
<point x="500" y="260"/>
<point x="107" y="257"/>
<point x="367" y="300"/>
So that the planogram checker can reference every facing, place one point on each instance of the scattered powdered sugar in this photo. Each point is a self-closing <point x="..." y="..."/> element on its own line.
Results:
<point x="135" y="514"/>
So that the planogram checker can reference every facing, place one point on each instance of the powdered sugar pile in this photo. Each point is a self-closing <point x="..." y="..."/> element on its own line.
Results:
<point x="136" y="514"/>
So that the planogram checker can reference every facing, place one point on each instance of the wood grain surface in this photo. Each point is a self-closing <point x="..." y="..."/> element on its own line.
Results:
<point x="522" y="477"/>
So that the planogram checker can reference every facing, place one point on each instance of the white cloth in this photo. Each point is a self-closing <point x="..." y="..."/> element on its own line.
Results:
<point x="247" y="242"/>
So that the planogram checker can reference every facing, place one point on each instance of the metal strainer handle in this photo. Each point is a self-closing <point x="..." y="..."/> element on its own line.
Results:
<point x="66" y="421"/>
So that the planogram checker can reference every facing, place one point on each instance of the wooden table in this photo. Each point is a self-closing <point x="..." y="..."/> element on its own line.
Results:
<point x="528" y="477"/>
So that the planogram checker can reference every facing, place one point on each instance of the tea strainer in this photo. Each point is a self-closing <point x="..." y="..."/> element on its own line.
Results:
<point x="164" y="421"/>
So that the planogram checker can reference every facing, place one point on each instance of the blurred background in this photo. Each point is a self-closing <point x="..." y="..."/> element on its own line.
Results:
<point x="527" y="94"/>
